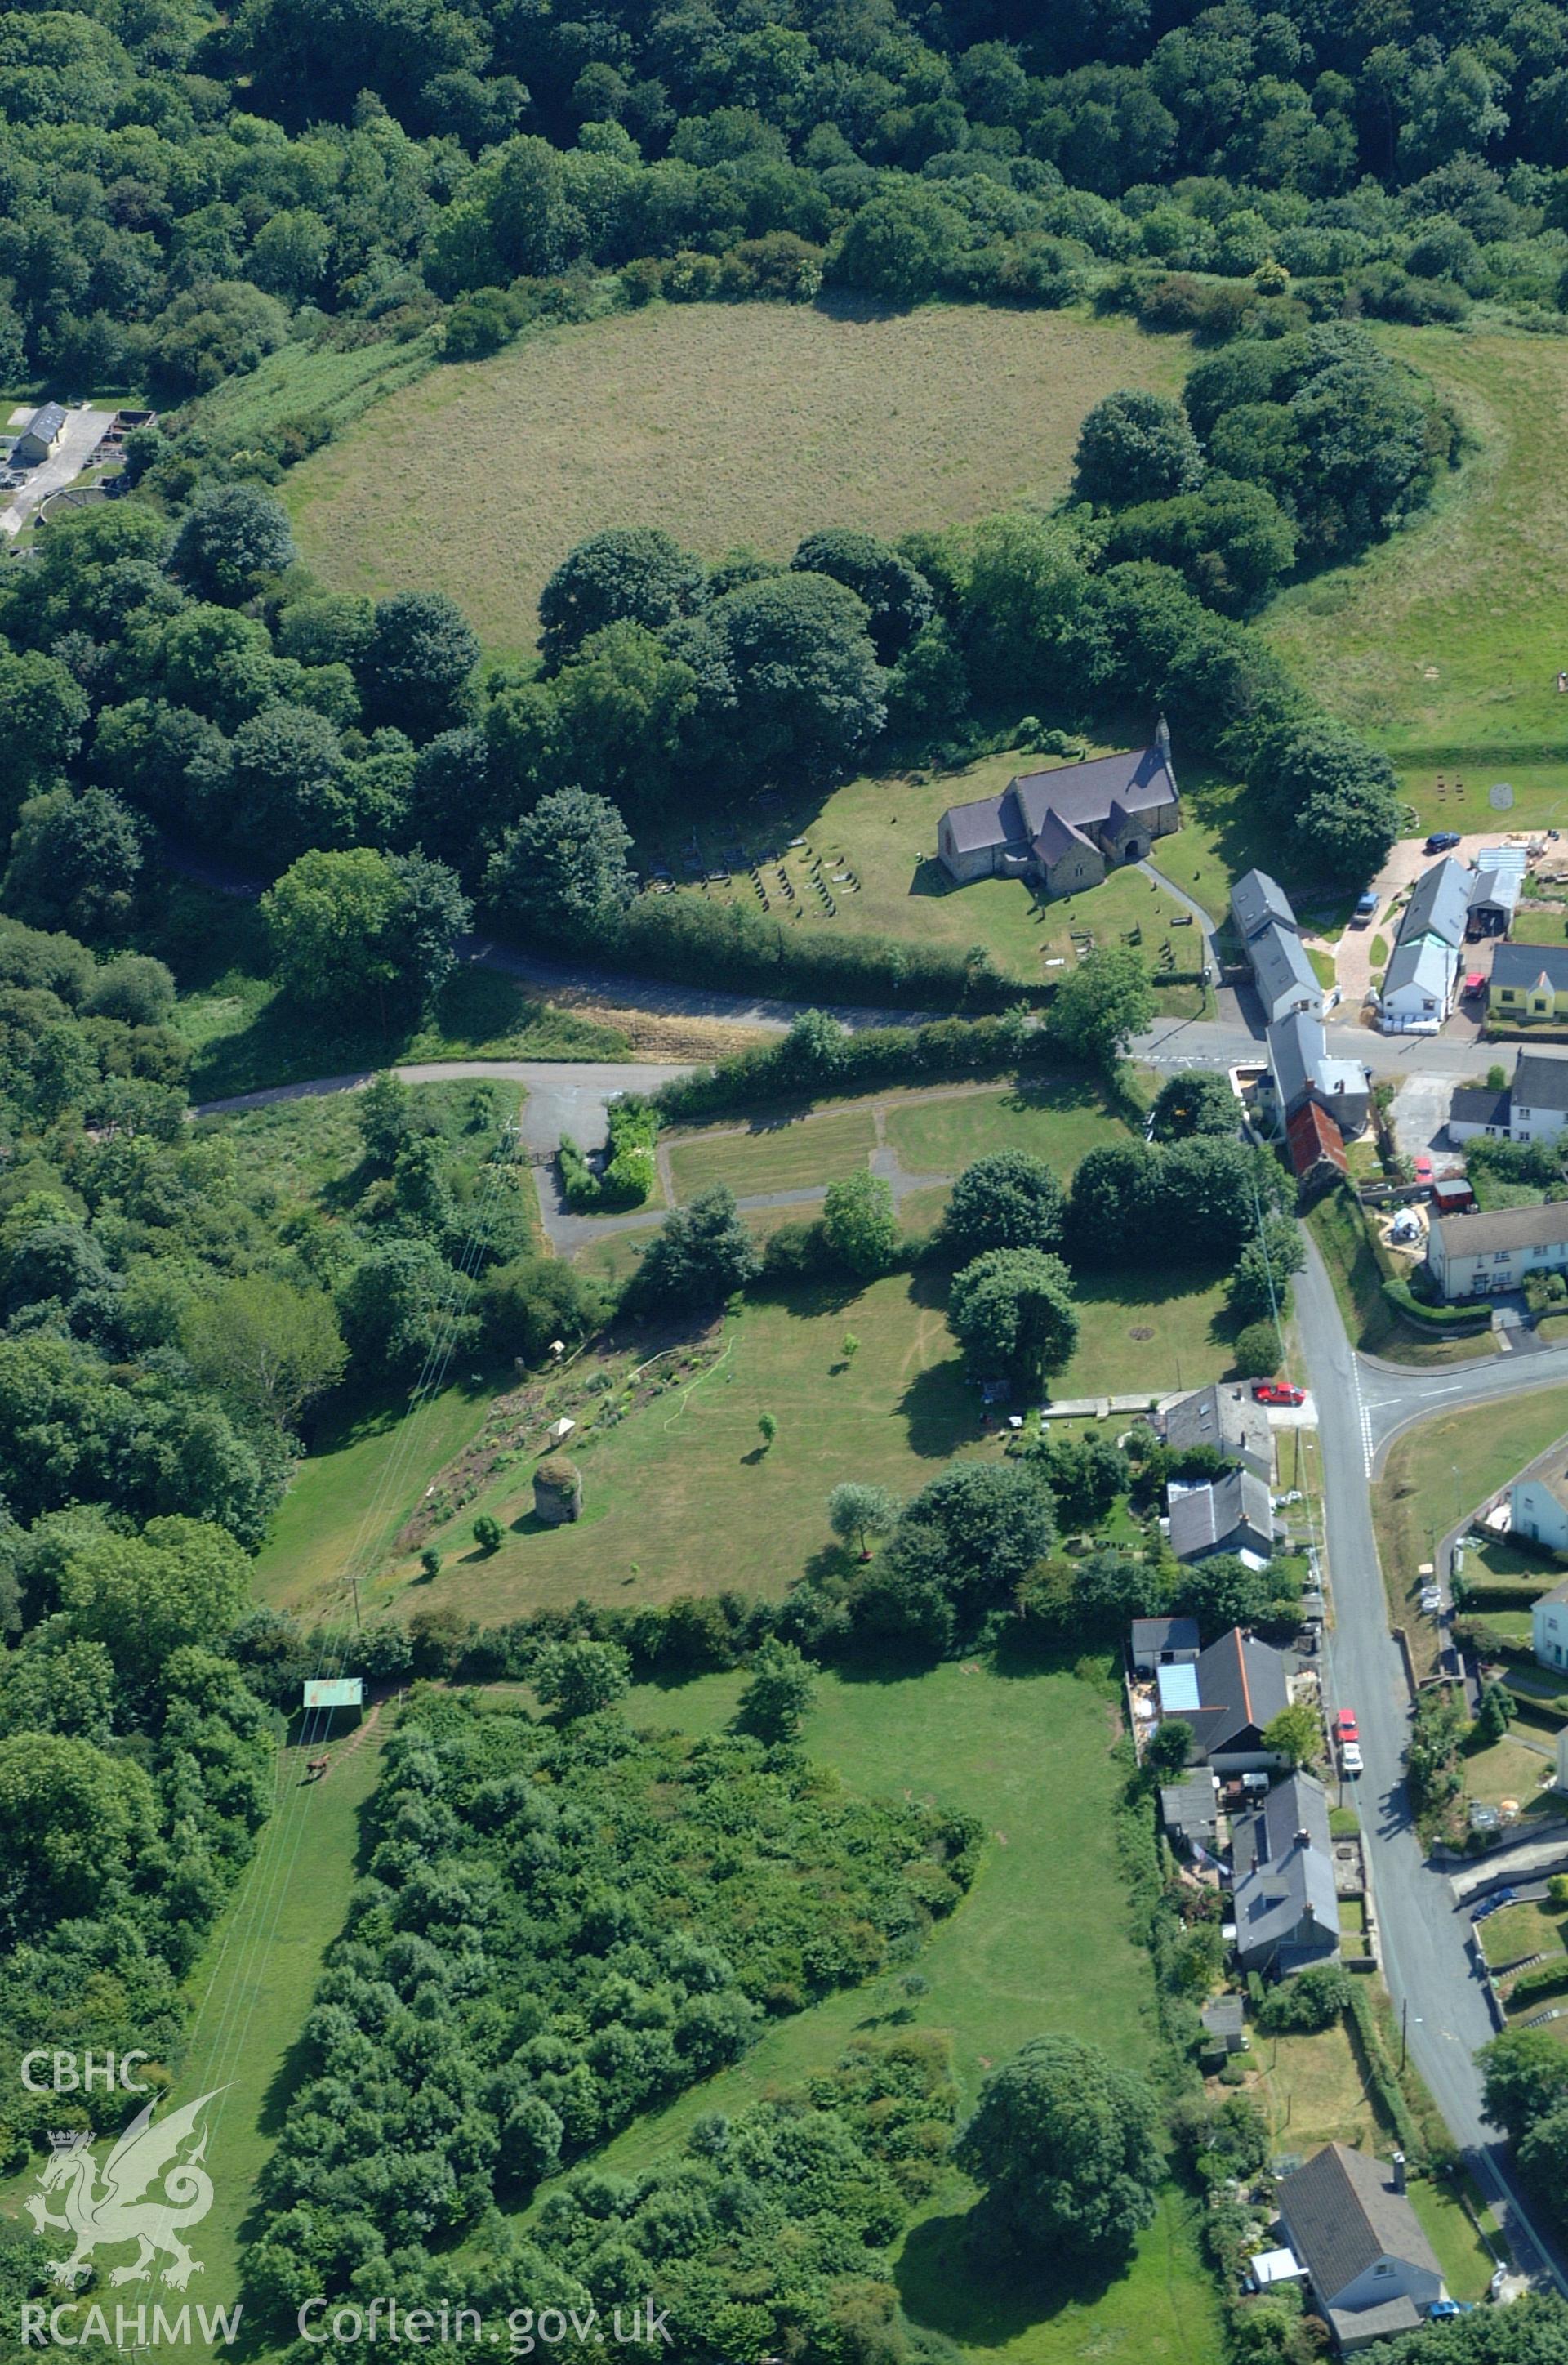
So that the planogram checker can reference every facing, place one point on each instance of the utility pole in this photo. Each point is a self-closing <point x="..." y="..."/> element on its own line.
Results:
<point x="358" y="1622"/>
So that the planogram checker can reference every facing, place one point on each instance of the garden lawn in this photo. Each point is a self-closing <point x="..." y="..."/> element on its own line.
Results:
<point x="1435" y="1472"/>
<point x="773" y="1153"/>
<point x="1314" y="2091"/>
<point x="677" y="1497"/>
<point x="1058" y="1122"/>
<point x="1156" y="1329"/>
<point x="1520" y="1931"/>
<point x="1464" y="2257"/>
<point x="724" y="423"/>
<point x="1028" y="1752"/>
<point x="1445" y="643"/>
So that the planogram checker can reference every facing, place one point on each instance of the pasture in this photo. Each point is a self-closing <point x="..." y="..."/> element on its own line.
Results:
<point x="748" y="424"/>
<point x="1445" y="643"/>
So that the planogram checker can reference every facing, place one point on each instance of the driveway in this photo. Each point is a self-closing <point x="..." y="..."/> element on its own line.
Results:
<point x="84" y="431"/>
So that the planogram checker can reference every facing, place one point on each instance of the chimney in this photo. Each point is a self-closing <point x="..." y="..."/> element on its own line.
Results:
<point x="1304" y="1839"/>
<point x="1399" y="2166"/>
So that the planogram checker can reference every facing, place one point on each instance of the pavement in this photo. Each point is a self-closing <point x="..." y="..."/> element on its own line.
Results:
<point x="84" y="431"/>
<point x="1438" y="1993"/>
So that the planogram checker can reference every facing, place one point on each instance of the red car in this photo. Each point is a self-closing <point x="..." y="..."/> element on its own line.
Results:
<point x="1278" y="1392"/>
<point x="1344" y="1725"/>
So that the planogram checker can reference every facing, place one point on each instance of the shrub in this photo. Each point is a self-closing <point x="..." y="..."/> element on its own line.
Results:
<point x="1257" y="1351"/>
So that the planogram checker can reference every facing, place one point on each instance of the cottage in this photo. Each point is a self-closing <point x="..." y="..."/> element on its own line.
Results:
<point x="1473" y="1256"/>
<point x="1528" y="981"/>
<point x="1225" y="1417"/>
<point x="1283" y="975"/>
<point x="42" y="435"/>
<point x="1258" y="902"/>
<point x="1063" y="829"/>
<point x="1163" y="1643"/>
<point x="1237" y="1687"/>
<point x="1301" y="1070"/>
<point x="1286" y="1905"/>
<point x="1418" y="986"/>
<point x="1232" y="1514"/>
<point x="1316" y="1150"/>
<point x="1475" y="1110"/>
<point x="1533" y="1108"/>
<point x="1349" y="2222"/>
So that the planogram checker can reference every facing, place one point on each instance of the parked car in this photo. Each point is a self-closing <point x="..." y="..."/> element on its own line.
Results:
<point x="1494" y="1904"/>
<point x="1278" y="1392"/>
<point x="1442" y="841"/>
<point x="1350" y="1760"/>
<point x="1344" y="1725"/>
<point x="1366" y="906"/>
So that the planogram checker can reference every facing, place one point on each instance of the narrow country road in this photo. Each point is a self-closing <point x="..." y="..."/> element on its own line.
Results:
<point x="1425" y="1936"/>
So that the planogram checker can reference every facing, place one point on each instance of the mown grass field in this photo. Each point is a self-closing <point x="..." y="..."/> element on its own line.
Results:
<point x="1439" y="1471"/>
<point x="774" y="1154"/>
<point x="726" y="424"/>
<point x="1028" y="1751"/>
<point x="1445" y="642"/>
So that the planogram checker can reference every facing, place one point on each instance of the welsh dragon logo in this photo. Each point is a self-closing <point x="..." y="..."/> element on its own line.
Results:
<point x="127" y="2206"/>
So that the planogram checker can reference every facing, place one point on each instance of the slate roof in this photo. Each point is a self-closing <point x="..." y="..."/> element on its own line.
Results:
<point x="1241" y="1683"/>
<point x="46" y="421"/>
<point x="984" y="822"/>
<point x="1312" y="1136"/>
<point x="1153" y="1635"/>
<point x="1540" y="1081"/>
<point x="1298" y="1056"/>
<point x="1226" y="1418"/>
<point x="1190" y="1806"/>
<point x="1439" y="904"/>
<point x="1140" y="778"/>
<point x="1256" y="900"/>
<point x="1280" y="1878"/>
<point x="1281" y="966"/>
<point x="1055" y="837"/>
<point x="1481" y="1234"/>
<point x="1343" y="2215"/>
<point x="1424" y="963"/>
<point x="1202" y="1517"/>
<point x="1479" y="1104"/>
<point x="1499" y="887"/>
<point x="1523" y="965"/>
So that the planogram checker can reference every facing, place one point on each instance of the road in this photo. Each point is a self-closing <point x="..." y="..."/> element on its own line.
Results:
<point x="1361" y="1404"/>
<point x="83" y="434"/>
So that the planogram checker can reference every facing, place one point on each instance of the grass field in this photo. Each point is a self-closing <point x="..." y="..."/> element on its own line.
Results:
<point x="1445" y="642"/>
<point x="1058" y="1122"/>
<point x="783" y="1154"/>
<point x="726" y="424"/>
<point x="1437" y="1470"/>
<point x="1028" y="1752"/>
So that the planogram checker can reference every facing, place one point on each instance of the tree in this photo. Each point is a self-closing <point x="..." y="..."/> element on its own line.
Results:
<point x="1343" y="794"/>
<point x="1195" y="1101"/>
<point x="1169" y="1751"/>
<point x="75" y="1819"/>
<point x="1100" y="1006"/>
<point x="1133" y="447"/>
<point x="635" y="575"/>
<point x="1494" y="1714"/>
<point x="43" y="712"/>
<point x="488" y="1533"/>
<point x="1011" y="1312"/>
<point x="1259" y="1284"/>
<point x="896" y="597"/>
<point x="899" y="246"/>
<point x="1543" y="2159"/>
<point x="433" y="914"/>
<point x="415" y="665"/>
<point x="430" y="1562"/>
<point x="767" y="1428"/>
<point x="1224" y="1591"/>
<point x="1005" y="1200"/>
<point x="580" y="1678"/>
<point x="265" y="1344"/>
<point x="1526" y="2078"/>
<point x="961" y="1549"/>
<point x="1294" y="1735"/>
<point x="133" y="987"/>
<point x="179" y="1581"/>
<point x="807" y="687"/>
<point x="860" y="1225"/>
<point x="531" y="1301"/>
<point x="856" y="1511"/>
<point x="779" y="1691"/>
<point x="331" y="923"/>
<point x="74" y="861"/>
<point x="402" y="1302"/>
<point x="703" y="1253"/>
<point x="1086" y="1474"/>
<point x="1067" y="2147"/>
<point x="1256" y="1354"/>
<point x="232" y="539"/>
<point x="561" y="869"/>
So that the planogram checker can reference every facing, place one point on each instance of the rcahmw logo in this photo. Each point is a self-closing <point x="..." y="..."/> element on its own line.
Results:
<point x="151" y="2189"/>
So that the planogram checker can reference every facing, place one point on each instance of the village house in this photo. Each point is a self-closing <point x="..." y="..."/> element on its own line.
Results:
<point x="1229" y="1696"/>
<point x="1285" y="1905"/>
<point x="1232" y="1514"/>
<point x="1528" y="981"/>
<point x="1548" y="1626"/>
<point x="1475" y="1255"/>
<point x="1227" y="1417"/>
<point x="1301" y="1070"/>
<point x="1062" y="830"/>
<point x="1316" y="1148"/>
<point x="1419" y="985"/>
<point x="1350" y="2221"/>
<point x="1533" y="1108"/>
